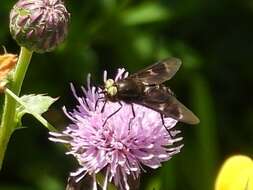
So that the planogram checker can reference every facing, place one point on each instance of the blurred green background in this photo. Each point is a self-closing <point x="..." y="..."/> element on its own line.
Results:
<point x="213" y="38"/>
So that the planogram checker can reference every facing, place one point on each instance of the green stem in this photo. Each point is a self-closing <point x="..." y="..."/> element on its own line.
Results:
<point x="36" y="115"/>
<point x="8" y="122"/>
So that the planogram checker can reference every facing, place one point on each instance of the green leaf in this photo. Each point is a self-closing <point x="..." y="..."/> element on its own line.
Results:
<point x="34" y="104"/>
<point x="154" y="183"/>
<point x="144" y="45"/>
<point x="206" y="135"/>
<point x="145" y="13"/>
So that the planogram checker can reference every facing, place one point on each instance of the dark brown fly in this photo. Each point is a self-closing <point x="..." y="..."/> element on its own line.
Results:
<point x="146" y="88"/>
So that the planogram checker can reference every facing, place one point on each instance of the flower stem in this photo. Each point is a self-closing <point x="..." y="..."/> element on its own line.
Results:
<point x="8" y="122"/>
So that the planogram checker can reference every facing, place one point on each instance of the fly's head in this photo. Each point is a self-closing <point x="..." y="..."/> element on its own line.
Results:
<point x="110" y="88"/>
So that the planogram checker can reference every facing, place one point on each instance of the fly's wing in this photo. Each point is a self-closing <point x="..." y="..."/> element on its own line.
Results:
<point x="161" y="100"/>
<point x="178" y="111"/>
<point x="158" y="72"/>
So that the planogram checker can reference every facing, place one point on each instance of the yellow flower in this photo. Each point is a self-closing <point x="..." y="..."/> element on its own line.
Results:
<point x="236" y="174"/>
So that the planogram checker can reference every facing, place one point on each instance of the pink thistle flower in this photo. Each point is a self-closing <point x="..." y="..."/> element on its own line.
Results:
<point x="119" y="148"/>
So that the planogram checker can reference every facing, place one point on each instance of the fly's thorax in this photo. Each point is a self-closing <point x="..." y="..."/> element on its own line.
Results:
<point x="129" y="89"/>
<point x="110" y="88"/>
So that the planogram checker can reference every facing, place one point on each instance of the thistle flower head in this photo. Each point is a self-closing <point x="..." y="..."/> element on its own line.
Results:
<point x="39" y="25"/>
<point x="122" y="145"/>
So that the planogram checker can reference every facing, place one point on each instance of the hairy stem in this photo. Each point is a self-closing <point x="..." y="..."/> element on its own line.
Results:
<point x="8" y="122"/>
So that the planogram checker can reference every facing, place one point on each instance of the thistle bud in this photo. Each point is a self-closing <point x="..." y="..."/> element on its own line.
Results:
<point x="39" y="25"/>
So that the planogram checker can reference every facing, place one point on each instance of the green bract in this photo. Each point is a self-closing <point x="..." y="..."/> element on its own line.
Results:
<point x="39" y="25"/>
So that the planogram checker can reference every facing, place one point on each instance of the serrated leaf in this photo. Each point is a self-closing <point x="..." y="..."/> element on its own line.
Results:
<point x="34" y="104"/>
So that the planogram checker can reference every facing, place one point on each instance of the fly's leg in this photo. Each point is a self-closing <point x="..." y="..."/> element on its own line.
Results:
<point x="96" y="104"/>
<point x="112" y="113"/>
<point x="168" y="130"/>
<point x="103" y="108"/>
<point x="130" y="121"/>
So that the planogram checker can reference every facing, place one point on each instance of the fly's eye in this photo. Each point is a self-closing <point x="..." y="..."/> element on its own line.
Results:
<point x="109" y="83"/>
<point x="112" y="91"/>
